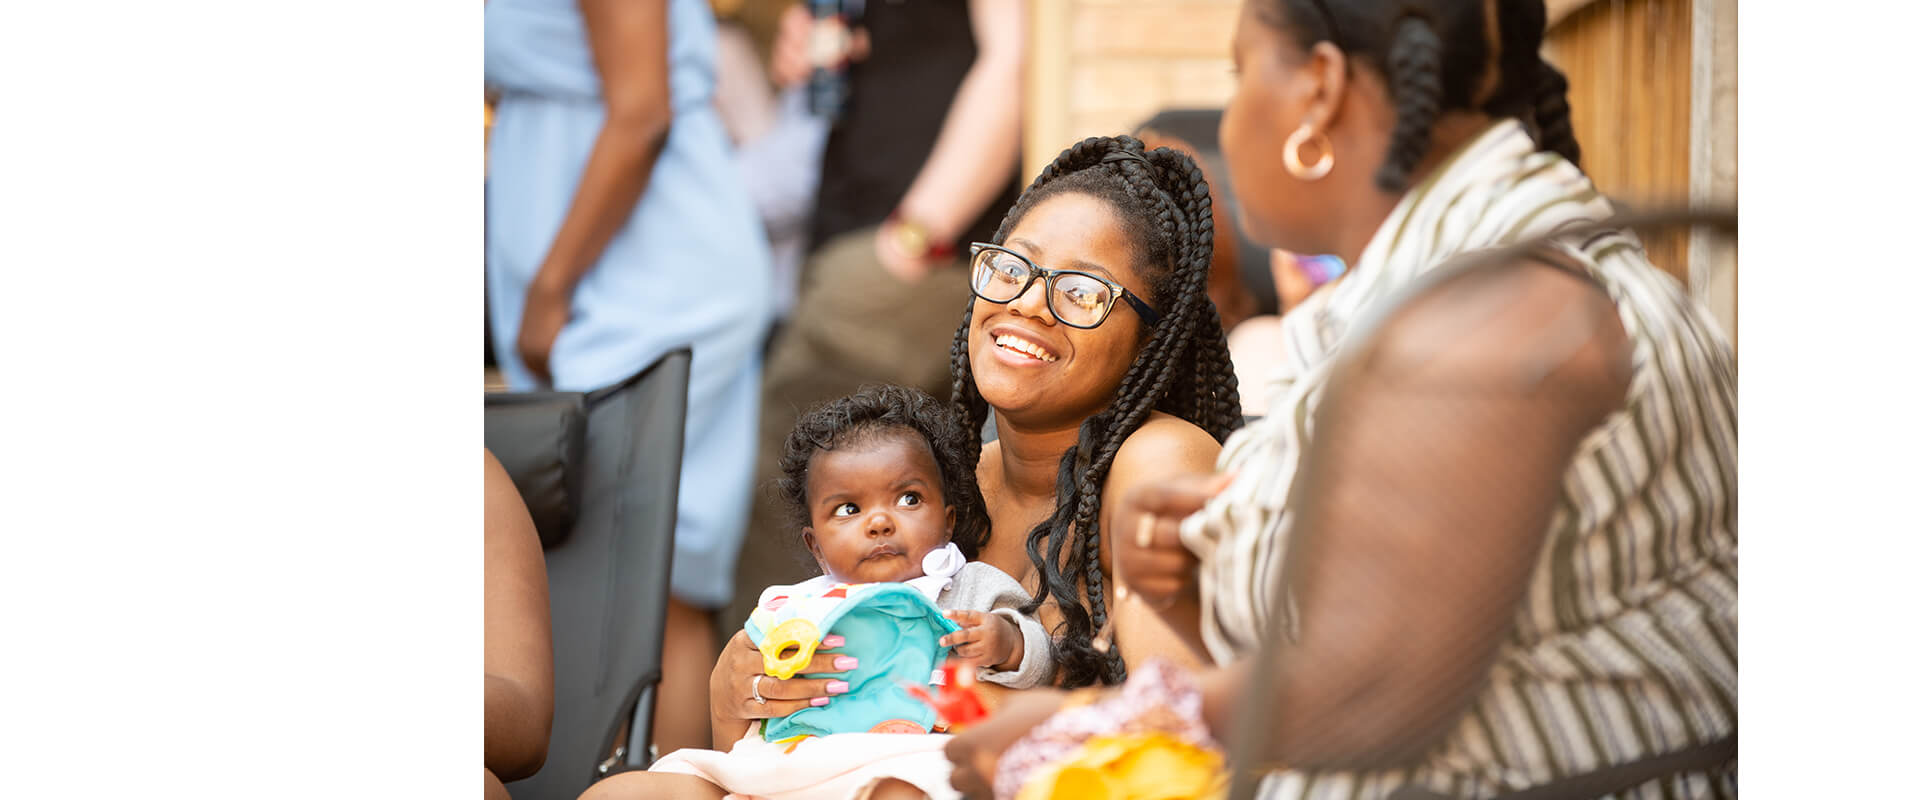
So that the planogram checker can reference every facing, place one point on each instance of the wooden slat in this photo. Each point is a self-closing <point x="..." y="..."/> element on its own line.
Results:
<point x="1629" y="66"/>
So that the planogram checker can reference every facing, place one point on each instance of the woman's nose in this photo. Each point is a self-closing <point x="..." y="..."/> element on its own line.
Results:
<point x="1033" y="302"/>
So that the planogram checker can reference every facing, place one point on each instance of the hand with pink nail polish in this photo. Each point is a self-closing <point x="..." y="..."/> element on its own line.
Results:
<point x="731" y="686"/>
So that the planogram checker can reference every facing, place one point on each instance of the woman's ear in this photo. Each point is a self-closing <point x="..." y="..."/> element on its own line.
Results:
<point x="1327" y="89"/>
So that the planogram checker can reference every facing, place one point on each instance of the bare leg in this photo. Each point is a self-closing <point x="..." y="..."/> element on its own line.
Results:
<point x="686" y="661"/>
<point x="635" y="785"/>
<point x="495" y="789"/>
<point x="895" y="789"/>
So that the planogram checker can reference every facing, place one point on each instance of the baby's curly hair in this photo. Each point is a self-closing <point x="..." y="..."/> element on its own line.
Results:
<point x="875" y="410"/>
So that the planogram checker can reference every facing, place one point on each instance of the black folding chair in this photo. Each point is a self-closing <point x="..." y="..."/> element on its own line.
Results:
<point x="600" y="472"/>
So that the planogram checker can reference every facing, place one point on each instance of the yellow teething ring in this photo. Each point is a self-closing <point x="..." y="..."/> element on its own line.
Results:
<point x="801" y="635"/>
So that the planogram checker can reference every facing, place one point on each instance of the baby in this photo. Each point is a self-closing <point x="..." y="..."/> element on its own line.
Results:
<point x="883" y="493"/>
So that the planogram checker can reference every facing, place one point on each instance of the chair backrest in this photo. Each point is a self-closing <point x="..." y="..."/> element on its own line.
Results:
<point x="607" y="576"/>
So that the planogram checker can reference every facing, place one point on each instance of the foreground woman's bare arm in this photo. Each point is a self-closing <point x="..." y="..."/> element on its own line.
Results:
<point x="1426" y="495"/>
<point x="519" y="643"/>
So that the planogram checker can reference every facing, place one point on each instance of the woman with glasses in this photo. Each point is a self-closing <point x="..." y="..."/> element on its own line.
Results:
<point x="1091" y="339"/>
<point x="1484" y="542"/>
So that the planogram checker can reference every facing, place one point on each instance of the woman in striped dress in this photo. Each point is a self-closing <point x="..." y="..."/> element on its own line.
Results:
<point x="1492" y="545"/>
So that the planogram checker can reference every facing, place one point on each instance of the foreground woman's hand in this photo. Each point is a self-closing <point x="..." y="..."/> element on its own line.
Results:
<point x="731" y="686"/>
<point x="975" y="752"/>
<point x="1147" y="552"/>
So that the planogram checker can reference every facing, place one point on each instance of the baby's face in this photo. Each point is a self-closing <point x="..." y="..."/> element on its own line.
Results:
<point x="876" y="508"/>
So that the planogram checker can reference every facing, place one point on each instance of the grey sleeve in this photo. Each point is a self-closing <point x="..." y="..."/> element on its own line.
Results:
<point x="979" y="587"/>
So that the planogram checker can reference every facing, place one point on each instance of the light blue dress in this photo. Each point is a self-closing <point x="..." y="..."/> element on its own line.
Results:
<point x="690" y="267"/>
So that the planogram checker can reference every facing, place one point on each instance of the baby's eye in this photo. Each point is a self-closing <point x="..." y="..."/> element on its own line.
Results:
<point x="845" y="510"/>
<point x="910" y="499"/>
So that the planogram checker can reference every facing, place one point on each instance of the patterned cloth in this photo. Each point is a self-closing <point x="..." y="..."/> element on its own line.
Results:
<point x="1624" y="645"/>
<point x="1158" y="697"/>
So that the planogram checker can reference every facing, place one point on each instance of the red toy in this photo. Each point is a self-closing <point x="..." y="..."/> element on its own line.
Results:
<point x="956" y="705"/>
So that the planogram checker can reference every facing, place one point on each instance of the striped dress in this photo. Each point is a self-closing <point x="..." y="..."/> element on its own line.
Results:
<point x="1624" y="646"/>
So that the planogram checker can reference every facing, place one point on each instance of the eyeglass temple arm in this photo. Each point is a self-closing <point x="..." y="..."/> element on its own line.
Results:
<point x="1146" y="311"/>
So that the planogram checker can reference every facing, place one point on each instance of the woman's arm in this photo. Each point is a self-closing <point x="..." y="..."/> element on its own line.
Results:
<point x="730" y="687"/>
<point x="1425" y="498"/>
<point x="519" y="643"/>
<point x="629" y="41"/>
<point x="1164" y="448"/>
<point x="978" y="148"/>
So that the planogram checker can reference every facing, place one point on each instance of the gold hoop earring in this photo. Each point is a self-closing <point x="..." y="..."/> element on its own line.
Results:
<point x="1291" y="155"/>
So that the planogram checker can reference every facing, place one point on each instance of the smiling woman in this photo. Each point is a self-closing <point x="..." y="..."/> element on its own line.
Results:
<point x="1091" y="338"/>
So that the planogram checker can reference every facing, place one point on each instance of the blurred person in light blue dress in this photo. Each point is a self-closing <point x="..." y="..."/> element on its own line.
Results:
<point x="617" y="229"/>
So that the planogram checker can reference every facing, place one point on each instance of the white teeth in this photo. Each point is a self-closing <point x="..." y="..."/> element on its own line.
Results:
<point x="1017" y="344"/>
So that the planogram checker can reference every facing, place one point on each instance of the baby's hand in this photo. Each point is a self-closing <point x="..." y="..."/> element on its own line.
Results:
<point x="986" y="638"/>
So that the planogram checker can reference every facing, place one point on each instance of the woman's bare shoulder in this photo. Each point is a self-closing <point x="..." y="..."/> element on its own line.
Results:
<point x="1164" y="445"/>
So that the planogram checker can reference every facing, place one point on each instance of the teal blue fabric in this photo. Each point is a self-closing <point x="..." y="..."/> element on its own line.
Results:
<point x="895" y="632"/>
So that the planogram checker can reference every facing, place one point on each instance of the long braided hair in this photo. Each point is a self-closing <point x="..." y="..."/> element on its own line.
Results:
<point x="1438" y="56"/>
<point x="1162" y="201"/>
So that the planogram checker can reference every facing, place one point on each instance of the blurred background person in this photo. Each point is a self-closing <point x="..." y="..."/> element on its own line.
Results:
<point x="1250" y="285"/>
<point x="777" y="143"/>
<point x="921" y="160"/>
<point x="1237" y="282"/>
<point x="1259" y="343"/>
<point x="617" y="229"/>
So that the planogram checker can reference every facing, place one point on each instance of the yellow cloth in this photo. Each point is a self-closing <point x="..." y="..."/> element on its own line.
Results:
<point x="1135" y="766"/>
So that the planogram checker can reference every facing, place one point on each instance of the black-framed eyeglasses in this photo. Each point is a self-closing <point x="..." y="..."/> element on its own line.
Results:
<point x="1077" y="299"/>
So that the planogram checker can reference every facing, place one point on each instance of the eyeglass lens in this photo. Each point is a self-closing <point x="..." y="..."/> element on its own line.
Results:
<point x="1076" y="299"/>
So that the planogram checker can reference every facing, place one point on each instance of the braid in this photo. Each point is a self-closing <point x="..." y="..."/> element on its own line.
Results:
<point x="1437" y="57"/>
<point x="1413" y="77"/>
<point x="1531" y="89"/>
<point x="1165" y="206"/>
<point x="969" y="408"/>
<point x="1552" y="116"/>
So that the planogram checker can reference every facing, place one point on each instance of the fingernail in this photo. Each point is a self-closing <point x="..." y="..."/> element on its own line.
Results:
<point x="819" y="701"/>
<point x="845" y="663"/>
<point x="835" y="687"/>
<point x="834" y="641"/>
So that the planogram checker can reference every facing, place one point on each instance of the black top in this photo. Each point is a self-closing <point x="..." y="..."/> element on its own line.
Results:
<point x="898" y="98"/>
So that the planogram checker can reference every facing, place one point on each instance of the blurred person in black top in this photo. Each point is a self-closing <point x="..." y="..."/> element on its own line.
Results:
<point x="922" y="159"/>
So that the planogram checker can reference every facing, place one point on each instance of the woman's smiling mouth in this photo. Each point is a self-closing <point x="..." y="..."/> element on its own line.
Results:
<point x="1025" y="347"/>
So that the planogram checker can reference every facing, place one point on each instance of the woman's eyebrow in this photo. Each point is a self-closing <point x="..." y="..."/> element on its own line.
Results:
<point x="1028" y="245"/>
<point x="1038" y="253"/>
<point x="1088" y="266"/>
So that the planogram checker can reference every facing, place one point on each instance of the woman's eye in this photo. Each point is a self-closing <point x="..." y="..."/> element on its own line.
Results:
<point x="910" y="499"/>
<point x="845" y="510"/>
